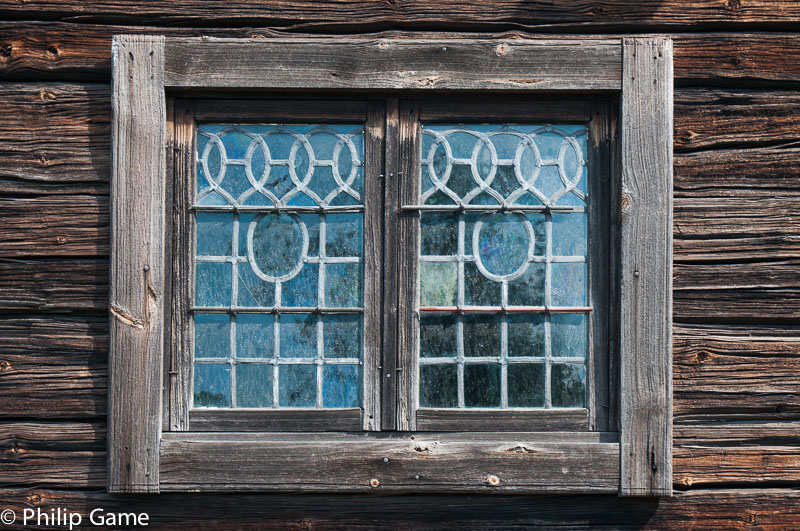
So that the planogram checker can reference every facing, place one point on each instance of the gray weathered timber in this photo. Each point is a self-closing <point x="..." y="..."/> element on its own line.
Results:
<point x="394" y="64"/>
<point x="374" y="149"/>
<point x="410" y="142"/>
<point x="418" y="462"/>
<point x="137" y="263"/>
<point x="287" y="420"/>
<point x="646" y="269"/>
<point x="483" y="420"/>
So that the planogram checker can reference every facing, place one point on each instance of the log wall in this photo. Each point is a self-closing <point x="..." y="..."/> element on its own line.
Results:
<point x="736" y="359"/>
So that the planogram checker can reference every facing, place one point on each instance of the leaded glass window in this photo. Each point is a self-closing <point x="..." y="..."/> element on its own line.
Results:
<point x="503" y="266"/>
<point x="278" y="266"/>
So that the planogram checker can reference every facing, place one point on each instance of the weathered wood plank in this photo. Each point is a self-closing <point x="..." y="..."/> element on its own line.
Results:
<point x="137" y="263"/>
<point x="410" y="463"/>
<point x="769" y="509"/>
<point x="67" y="455"/>
<point x="53" y="366"/>
<point x="389" y="64"/>
<point x="736" y="373"/>
<point x="715" y="118"/>
<point x="499" y="421"/>
<point x="581" y="15"/>
<point x="54" y="285"/>
<point x="759" y="172"/>
<point x="54" y="138"/>
<point x="645" y="275"/>
<point x="54" y="226"/>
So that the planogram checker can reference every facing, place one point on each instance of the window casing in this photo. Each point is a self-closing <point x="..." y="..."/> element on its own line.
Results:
<point x="164" y="444"/>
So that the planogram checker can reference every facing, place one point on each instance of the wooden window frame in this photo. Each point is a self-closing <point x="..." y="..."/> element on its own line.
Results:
<point x="147" y="453"/>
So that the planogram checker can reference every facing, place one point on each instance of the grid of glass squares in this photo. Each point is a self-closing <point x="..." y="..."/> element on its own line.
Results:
<point x="278" y="266"/>
<point x="503" y="267"/>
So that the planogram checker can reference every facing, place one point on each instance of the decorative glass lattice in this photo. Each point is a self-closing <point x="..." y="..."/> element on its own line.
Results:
<point x="503" y="268"/>
<point x="278" y="266"/>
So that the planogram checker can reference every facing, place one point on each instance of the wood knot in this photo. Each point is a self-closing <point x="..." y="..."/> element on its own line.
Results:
<point x="61" y="239"/>
<point x="502" y="49"/>
<point x="4" y="365"/>
<point x="53" y="51"/>
<point x="5" y="50"/>
<point x="520" y="449"/>
<point x="374" y="483"/>
<point x="35" y="498"/>
<point x="493" y="480"/>
<point x="383" y="45"/>
<point x="626" y="202"/>
<point x="47" y="95"/>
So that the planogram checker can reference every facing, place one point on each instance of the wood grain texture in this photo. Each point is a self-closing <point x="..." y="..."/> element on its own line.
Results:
<point x="581" y="15"/>
<point x="646" y="269"/>
<point x="54" y="138"/>
<point x="54" y="226"/>
<point x="402" y="463"/>
<point x="69" y="455"/>
<point x="68" y="285"/>
<point x="137" y="264"/>
<point x="393" y="64"/>
<point x="736" y="373"/>
<point x="53" y="367"/>
<point x="211" y="420"/>
<point x="73" y="51"/>
<point x="500" y="421"/>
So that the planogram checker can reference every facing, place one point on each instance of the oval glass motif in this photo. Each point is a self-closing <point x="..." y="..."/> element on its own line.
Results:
<point x="503" y="244"/>
<point x="277" y="244"/>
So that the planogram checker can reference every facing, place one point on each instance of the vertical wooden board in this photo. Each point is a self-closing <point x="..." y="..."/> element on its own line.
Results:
<point x="391" y="208"/>
<point x="646" y="269"/>
<point x="373" y="262"/>
<point x="180" y="263"/>
<point x="137" y="262"/>
<point x="409" y="138"/>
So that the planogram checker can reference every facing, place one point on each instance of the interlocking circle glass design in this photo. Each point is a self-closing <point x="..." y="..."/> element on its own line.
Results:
<point x="277" y="244"/>
<point x="503" y="245"/>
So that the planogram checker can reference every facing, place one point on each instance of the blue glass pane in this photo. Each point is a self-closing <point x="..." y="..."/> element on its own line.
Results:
<point x="344" y="234"/>
<point x="438" y="386"/>
<point x="255" y="335"/>
<point x="235" y="143"/>
<point x="528" y="289"/>
<point x="569" y="284"/>
<point x="437" y="336"/>
<point x="322" y="182"/>
<point x="569" y="234"/>
<point x="298" y="385"/>
<point x="214" y="234"/>
<point x="341" y="385"/>
<point x="481" y="335"/>
<point x="212" y="284"/>
<point x="482" y="385"/>
<point x="277" y="243"/>
<point x="439" y="234"/>
<point x="254" y="292"/>
<point x="212" y="385"/>
<point x="503" y="242"/>
<point x="301" y="291"/>
<point x="254" y="385"/>
<point x="438" y="283"/>
<point x="235" y="181"/>
<point x="343" y="285"/>
<point x="568" y="385"/>
<point x="298" y="336"/>
<point x="342" y="336"/>
<point x="526" y="385"/>
<point x="212" y="336"/>
<point x="526" y="335"/>
<point x="568" y="332"/>
<point x="479" y="290"/>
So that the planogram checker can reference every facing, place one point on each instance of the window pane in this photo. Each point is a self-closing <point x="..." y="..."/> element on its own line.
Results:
<point x="259" y="264"/>
<point x="501" y="264"/>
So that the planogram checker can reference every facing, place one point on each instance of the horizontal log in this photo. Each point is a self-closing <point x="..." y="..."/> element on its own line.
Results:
<point x="54" y="138"/>
<point x="581" y="15"/>
<point x="697" y="466"/>
<point x="58" y="225"/>
<point x="714" y="118"/>
<point x="54" y="285"/>
<point x="735" y="373"/>
<point x="80" y="51"/>
<point x="768" y="509"/>
<point x="67" y="455"/>
<point x="406" y="463"/>
<point x="53" y="366"/>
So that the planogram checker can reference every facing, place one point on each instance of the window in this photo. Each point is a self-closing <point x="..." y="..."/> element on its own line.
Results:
<point x="419" y="274"/>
